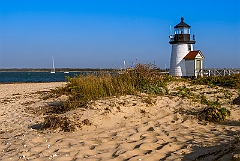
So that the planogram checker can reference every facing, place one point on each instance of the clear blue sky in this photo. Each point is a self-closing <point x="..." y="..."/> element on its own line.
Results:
<point x="104" y="33"/>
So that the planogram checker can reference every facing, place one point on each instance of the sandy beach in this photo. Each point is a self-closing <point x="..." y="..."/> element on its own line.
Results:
<point x="120" y="128"/>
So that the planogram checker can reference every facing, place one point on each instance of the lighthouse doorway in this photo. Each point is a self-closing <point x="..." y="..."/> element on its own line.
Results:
<point x="198" y="64"/>
<point x="198" y="71"/>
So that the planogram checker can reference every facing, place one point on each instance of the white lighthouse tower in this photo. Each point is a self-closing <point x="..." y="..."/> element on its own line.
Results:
<point x="182" y="44"/>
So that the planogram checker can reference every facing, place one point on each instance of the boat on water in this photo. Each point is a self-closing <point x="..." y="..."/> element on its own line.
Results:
<point x="53" y="66"/>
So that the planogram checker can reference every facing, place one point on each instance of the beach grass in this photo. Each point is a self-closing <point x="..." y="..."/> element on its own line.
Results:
<point x="82" y="90"/>
<point x="141" y="79"/>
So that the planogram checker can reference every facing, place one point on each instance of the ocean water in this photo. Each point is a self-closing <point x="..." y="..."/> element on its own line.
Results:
<point x="11" y="77"/>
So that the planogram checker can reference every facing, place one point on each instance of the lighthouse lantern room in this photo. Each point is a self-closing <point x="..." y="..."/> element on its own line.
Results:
<point x="182" y="43"/>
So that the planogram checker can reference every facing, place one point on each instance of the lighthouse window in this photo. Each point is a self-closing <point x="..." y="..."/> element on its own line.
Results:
<point x="189" y="47"/>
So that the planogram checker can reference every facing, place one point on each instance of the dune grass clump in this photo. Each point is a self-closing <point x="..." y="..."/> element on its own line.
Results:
<point x="84" y="89"/>
<point x="147" y="79"/>
<point x="142" y="78"/>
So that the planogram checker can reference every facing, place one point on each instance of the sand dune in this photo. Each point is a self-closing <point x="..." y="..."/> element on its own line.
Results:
<point x="124" y="128"/>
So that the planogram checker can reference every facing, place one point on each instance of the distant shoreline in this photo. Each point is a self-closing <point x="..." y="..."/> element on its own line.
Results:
<point x="57" y="69"/>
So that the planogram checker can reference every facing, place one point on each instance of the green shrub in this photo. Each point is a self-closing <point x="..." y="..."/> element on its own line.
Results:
<point x="232" y="81"/>
<point x="213" y="112"/>
<point x="184" y="92"/>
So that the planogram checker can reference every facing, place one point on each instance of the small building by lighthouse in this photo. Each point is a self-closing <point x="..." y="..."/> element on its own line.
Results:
<point x="182" y="45"/>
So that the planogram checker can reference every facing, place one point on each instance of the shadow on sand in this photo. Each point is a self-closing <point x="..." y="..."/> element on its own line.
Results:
<point x="39" y="126"/>
<point x="222" y="152"/>
<point x="225" y="151"/>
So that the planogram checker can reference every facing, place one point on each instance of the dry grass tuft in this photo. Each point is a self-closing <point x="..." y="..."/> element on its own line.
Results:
<point x="236" y="101"/>
<point x="63" y="123"/>
<point x="58" y="122"/>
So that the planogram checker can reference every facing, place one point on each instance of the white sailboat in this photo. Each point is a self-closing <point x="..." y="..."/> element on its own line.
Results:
<point x="53" y="70"/>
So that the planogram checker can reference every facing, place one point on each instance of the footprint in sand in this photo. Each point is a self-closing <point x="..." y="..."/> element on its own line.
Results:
<point x="39" y="140"/>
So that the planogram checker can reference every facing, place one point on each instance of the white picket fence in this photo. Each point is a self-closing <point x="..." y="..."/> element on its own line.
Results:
<point x="218" y="71"/>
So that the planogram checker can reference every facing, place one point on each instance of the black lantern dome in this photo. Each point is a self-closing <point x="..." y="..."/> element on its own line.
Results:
<point x="182" y="24"/>
<point x="182" y="34"/>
